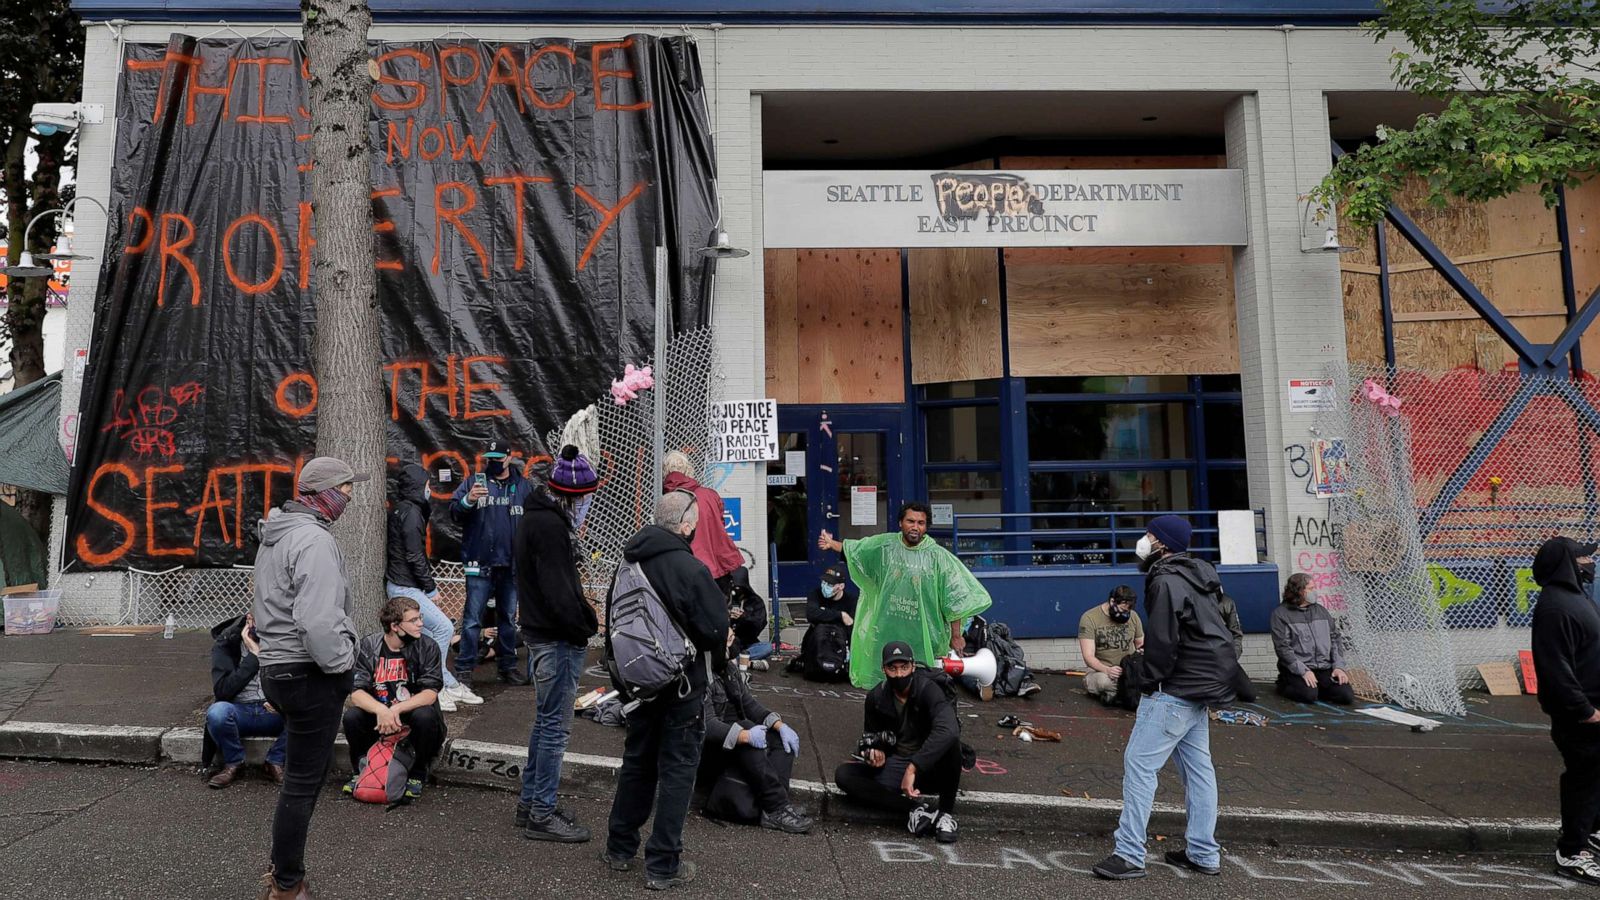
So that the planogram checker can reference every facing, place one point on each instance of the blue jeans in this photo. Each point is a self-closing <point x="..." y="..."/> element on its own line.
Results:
<point x="228" y="722"/>
<point x="500" y="584"/>
<point x="556" y="667"/>
<point x="435" y="624"/>
<point x="1168" y="725"/>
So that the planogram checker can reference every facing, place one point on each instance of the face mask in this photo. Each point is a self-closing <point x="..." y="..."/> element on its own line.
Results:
<point x="1143" y="549"/>
<point x="689" y="536"/>
<point x="900" y="684"/>
<point x="1118" y="614"/>
<point x="494" y="468"/>
<point x="1586" y="573"/>
<point x="424" y="493"/>
<point x="580" y="509"/>
<point x="827" y="589"/>
<point x="329" y="503"/>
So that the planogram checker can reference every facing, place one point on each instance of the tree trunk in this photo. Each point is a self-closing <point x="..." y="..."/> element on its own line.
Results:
<point x="351" y="420"/>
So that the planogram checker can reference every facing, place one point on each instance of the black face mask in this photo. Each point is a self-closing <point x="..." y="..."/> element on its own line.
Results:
<point x="1586" y="573"/>
<point x="1119" y="615"/>
<point x="494" y="468"/>
<point x="899" y="684"/>
<point x="690" y="536"/>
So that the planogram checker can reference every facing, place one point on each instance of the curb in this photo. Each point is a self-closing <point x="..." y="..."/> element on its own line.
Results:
<point x="499" y="766"/>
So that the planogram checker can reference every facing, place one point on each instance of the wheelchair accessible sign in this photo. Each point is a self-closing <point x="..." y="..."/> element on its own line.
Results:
<point x="733" y="518"/>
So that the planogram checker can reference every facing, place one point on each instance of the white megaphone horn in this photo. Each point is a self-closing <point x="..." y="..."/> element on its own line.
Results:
<point x="980" y="666"/>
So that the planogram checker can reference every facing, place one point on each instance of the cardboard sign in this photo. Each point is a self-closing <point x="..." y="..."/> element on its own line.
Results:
<point x="744" y="431"/>
<point x="1500" y="678"/>
<point x="1530" y="679"/>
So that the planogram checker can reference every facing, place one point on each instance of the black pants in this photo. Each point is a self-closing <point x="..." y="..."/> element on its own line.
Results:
<point x="309" y="700"/>
<point x="659" y="760"/>
<point x="1295" y="688"/>
<point x="762" y="774"/>
<point x="881" y="786"/>
<point x="1580" y="785"/>
<point x="427" y="735"/>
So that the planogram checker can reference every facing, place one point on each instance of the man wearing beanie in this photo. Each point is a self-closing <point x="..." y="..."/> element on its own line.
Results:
<point x="302" y="617"/>
<point x="557" y="621"/>
<point x="1189" y="666"/>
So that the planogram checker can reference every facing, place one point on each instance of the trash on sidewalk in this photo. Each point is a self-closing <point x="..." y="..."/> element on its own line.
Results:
<point x="1238" y="717"/>
<point x="591" y="698"/>
<point x="1390" y="714"/>
<point x="1035" y="733"/>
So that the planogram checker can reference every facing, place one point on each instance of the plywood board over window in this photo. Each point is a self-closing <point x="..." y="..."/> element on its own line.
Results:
<point x="833" y="326"/>
<point x="955" y="315"/>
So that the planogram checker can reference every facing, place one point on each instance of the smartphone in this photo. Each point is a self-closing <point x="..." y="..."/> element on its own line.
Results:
<point x="481" y="480"/>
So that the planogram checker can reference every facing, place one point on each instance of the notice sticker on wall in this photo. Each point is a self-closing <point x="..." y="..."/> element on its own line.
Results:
<point x="944" y="513"/>
<point x="864" y="504"/>
<point x="1310" y="395"/>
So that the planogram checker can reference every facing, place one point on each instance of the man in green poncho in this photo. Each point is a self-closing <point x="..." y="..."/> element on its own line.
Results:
<point x="912" y="590"/>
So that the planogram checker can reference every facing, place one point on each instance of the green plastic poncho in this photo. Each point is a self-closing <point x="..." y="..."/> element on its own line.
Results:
<point x="909" y="594"/>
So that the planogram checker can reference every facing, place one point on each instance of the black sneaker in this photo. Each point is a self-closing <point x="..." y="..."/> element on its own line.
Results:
<point x="1579" y="867"/>
<point x="1180" y="858"/>
<point x="1028" y="687"/>
<point x="520" y="818"/>
<point x="786" y="820"/>
<point x="616" y="863"/>
<point x="555" y="828"/>
<point x="684" y="875"/>
<point x="1116" y="868"/>
<point x="514" y="678"/>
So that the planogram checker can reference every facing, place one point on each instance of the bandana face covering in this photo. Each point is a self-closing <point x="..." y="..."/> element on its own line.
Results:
<point x="329" y="504"/>
<point x="580" y="509"/>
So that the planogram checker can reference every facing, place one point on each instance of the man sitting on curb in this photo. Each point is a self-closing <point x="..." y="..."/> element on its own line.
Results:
<point x="240" y="710"/>
<point x="398" y="678"/>
<point x="747" y="764"/>
<point x="1107" y="634"/>
<point x="911" y="724"/>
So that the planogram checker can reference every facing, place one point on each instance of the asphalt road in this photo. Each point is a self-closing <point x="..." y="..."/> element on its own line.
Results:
<point x="85" y="831"/>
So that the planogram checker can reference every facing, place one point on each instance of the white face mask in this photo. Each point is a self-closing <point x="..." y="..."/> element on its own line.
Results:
<point x="1143" y="549"/>
<point x="580" y="509"/>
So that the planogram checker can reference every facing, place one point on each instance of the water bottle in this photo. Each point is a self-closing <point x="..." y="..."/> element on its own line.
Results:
<point x="172" y="625"/>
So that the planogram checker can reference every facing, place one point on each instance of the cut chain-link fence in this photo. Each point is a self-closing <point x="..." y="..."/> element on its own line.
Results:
<point x="1445" y="504"/>
<point x="625" y="437"/>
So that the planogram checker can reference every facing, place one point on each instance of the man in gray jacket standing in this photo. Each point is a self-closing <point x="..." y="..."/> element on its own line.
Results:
<point x="302" y="615"/>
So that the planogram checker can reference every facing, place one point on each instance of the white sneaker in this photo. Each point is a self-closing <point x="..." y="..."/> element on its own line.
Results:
<point x="463" y="694"/>
<point x="1579" y="867"/>
<point x="445" y="703"/>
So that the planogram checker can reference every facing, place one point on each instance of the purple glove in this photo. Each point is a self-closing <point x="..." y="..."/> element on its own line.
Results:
<point x="758" y="737"/>
<point x="790" y="739"/>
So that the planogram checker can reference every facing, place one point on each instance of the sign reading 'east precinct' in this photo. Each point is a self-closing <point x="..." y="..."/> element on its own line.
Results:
<point x="743" y="430"/>
<point x="1025" y="208"/>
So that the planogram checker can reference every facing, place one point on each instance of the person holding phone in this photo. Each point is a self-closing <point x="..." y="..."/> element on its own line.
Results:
<point x="489" y="505"/>
<point x="240" y="709"/>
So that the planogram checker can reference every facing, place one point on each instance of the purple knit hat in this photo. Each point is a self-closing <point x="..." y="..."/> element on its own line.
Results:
<point x="572" y="473"/>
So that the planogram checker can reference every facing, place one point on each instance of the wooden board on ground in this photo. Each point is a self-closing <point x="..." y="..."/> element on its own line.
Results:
<point x="1500" y="678"/>
<point x="108" y="630"/>
<point x="32" y="588"/>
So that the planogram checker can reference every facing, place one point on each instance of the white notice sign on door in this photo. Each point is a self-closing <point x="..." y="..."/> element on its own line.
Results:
<point x="864" y="504"/>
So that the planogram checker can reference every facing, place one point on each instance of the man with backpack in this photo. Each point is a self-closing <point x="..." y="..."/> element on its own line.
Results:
<point x="910" y="746"/>
<point x="557" y="622"/>
<point x="830" y="617"/>
<point x="660" y="588"/>
<point x="398" y="679"/>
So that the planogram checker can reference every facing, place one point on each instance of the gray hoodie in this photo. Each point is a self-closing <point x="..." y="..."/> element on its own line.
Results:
<point x="1305" y="639"/>
<point x="302" y="604"/>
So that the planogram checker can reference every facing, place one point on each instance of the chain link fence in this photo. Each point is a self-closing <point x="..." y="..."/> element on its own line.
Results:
<point x="625" y="462"/>
<point x="1444" y="500"/>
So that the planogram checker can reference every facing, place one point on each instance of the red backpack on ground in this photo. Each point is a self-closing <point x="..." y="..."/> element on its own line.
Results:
<point x="385" y="768"/>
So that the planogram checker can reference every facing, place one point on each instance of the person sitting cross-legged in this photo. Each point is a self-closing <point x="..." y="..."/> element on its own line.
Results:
<point x="398" y="676"/>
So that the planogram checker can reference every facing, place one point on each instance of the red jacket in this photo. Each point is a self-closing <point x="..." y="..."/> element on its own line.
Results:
<point x="711" y="544"/>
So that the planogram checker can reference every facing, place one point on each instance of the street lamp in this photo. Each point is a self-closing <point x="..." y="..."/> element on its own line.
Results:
<point x="26" y="266"/>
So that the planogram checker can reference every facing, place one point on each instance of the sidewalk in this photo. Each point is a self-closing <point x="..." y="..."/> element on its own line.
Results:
<point x="1315" y="776"/>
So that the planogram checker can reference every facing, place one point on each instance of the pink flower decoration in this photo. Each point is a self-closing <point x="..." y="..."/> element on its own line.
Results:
<point x="632" y="382"/>
<point x="1387" y="403"/>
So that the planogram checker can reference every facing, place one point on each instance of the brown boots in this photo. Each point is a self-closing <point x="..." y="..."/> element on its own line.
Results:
<point x="271" y="891"/>
<point x="225" y="776"/>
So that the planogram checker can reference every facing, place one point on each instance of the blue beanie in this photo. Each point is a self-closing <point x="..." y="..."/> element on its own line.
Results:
<point x="1172" y="531"/>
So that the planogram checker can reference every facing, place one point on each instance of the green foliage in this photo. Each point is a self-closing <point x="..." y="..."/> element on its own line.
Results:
<point x="1522" y="106"/>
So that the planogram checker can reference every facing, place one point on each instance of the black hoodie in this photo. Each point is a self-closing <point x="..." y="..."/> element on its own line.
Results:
<point x="551" y="605"/>
<point x="408" y="521"/>
<point x="1566" y="636"/>
<point x="1188" y="650"/>
<point x="691" y="596"/>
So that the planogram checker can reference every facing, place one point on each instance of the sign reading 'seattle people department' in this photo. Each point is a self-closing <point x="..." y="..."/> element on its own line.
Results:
<point x="988" y="208"/>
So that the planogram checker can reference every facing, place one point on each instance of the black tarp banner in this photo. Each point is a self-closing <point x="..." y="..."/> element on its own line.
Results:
<point x="519" y="192"/>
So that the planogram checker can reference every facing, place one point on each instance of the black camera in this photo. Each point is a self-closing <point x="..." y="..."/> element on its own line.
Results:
<point x="875" y="740"/>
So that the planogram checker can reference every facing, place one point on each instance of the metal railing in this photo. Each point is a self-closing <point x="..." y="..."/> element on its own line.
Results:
<point x="1084" y="538"/>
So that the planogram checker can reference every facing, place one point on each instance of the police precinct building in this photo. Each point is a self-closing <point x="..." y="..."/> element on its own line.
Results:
<point x="1046" y="266"/>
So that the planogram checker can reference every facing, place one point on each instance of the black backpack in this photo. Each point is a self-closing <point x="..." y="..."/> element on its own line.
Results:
<point x="826" y="652"/>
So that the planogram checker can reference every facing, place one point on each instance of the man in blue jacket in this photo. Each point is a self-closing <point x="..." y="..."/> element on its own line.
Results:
<point x="488" y="510"/>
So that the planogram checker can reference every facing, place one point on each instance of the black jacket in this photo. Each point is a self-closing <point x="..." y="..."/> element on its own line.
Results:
<point x="408" y="523"/>
<point x="829" y="609"/>
<point x="231" y="670"/>
<point x="551" y="605"/>
<point x="1188" y="650"/>
<point x="424" y="669"/>
<point x="691" y="596"/>
<point x="929" y="714"/>
<point x="1566" y="637"/>
<point x="728" y="705"/>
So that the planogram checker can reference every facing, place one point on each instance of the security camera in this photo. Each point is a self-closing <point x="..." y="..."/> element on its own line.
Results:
<point x="49" y="118"/>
